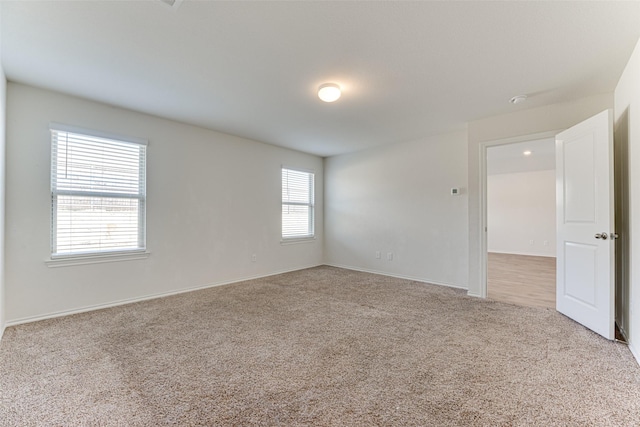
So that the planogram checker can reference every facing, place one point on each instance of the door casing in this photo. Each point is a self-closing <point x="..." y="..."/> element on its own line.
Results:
<point x="482" y="237"/>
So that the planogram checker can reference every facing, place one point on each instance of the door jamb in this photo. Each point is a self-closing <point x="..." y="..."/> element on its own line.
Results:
<point x="482" y="238"/>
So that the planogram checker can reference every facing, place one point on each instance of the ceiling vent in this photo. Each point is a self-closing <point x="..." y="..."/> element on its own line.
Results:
<point x="173" y="4"/>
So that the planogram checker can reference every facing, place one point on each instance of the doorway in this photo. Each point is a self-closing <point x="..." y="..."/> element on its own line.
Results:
<point x="521" y="223"/>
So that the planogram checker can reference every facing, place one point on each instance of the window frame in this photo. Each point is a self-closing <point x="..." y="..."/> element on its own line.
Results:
<point x="311" y="205"/>
<point x="105" y="255"/>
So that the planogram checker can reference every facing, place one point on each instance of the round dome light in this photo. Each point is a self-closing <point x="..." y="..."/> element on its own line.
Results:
<point x="329" y="92"/>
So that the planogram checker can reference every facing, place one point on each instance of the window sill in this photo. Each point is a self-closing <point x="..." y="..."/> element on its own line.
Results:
<point x="95" y="259"/>
<point x="295" y="241"/>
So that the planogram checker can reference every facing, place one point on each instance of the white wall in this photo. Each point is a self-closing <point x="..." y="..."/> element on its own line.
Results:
<point x="521" y="123"/>
<point x="627" y="134"/>
<point x="397" y="199"/>
<point x="213" y="200"/>
<point x="3" y="109"/>
<point x="521" y="207"/>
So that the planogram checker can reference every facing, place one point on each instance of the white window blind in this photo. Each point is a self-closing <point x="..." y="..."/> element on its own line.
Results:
<point x="98" y="193"/>
<point x="297" y="204"/>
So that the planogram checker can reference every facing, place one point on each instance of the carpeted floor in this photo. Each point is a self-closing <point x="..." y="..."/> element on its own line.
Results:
<point x="322" y="346"/>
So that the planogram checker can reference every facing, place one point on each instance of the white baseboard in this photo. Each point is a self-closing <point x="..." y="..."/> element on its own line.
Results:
<point x="635" y="353"/>
<point x="397" y="276"/>
<point x="473" y="294"/>
<point x="85" y="309"/>
<point x="521" y="253"/>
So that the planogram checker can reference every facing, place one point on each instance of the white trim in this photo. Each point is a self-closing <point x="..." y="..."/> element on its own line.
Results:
<point x="296" y="240"/>
<point x="398" y="276"/>
<point x="482" y="178"/>
<point x="145" y="298"/>
<point x="297" y="169"/>
<point x="66" y="261"/>
<point x="482" y="238"/>
<point x="59" y="127"/>
<point x="521" y="253"/>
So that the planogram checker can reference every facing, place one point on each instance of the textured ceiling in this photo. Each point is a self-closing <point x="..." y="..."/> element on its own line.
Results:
<point x="408" y="69"/>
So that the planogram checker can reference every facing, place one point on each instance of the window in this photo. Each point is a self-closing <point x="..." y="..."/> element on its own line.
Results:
<point x="297" y="204"/>
<point x="98" y="193"/>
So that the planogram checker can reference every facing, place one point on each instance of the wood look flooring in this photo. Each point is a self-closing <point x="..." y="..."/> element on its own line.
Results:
<point x="523" y="280"/>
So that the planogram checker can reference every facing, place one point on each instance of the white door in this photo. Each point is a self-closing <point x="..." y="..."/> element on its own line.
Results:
<point x="584" y="207"/>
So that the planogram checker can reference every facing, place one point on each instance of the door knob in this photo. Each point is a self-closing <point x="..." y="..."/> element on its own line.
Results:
<point x="603" y="236"/>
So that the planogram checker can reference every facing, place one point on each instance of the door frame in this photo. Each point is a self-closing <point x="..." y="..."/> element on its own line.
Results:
<point x="482" y="230"/>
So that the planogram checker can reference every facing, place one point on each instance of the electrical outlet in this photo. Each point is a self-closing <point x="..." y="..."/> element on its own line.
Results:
<point x="254" y="258"/>
<point x="531" y="242"/>
<point x="390" y="256"/>
<point x="378" y="255"/>
<point x="546" y="243"/>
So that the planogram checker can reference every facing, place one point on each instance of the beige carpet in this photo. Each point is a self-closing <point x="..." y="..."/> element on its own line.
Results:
<point x="318" y="347"/>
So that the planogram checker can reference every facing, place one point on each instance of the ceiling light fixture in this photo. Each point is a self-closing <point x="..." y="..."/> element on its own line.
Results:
<point x="527" y="153"/>
<point x="518" y="99"/>
<point x="329" y="92"/>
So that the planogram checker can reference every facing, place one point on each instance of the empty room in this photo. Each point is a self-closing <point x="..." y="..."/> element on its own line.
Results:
<point x="235" y="213"/>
